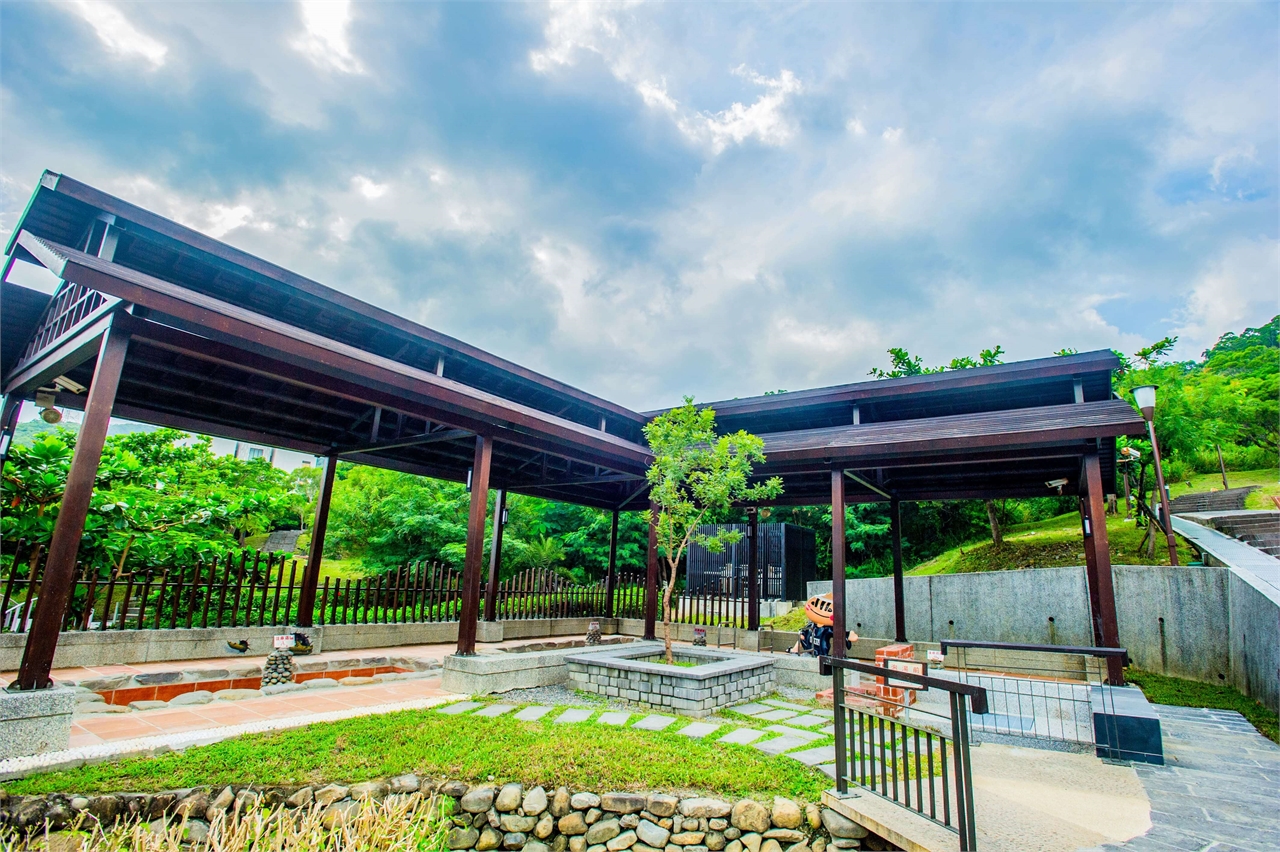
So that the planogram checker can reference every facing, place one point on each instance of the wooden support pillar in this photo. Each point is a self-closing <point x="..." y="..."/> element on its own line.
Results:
<point x="475" y="546"/>
<point x="311" y="574"/>
<point x="1090" y="570"/>
<point x="611" y="576"/>
<point x="1166" y="518"/>
<point x="1096" y="540"/>
<point x="651" y="582"/>
<point x="495" y="556"/>
<point x="899" y="585"/>
<point x="60" y="564"/>
<point x="839" y="631"/>
<point x="8" y="423"/>
<point x="753" y="569"/>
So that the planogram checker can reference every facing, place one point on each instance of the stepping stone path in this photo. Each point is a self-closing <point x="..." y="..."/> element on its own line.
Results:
<point x="776" y="715"/>
<point x="778" y="745"/>
<point x="787" y="705"/>
<point x="698" y="730"/>
<point x="495" y="710"/>
<point x="750" y="709"/>
<point x="533" y="713"/>
<point x="654" y="723"/>
<point x="742" y="736"/>
<point x="459" y="708"/>
<point x="815" y="756"/>
<point x="617" y="718"/>
<point x="573" y="715"/>
<point x="808" y="721"/>
<point x="829" y="730"/>
<point x="806" y="736"/>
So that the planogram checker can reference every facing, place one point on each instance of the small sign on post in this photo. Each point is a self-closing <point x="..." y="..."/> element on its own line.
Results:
<point x="936" y="656"/>
<point x="283" y="641"/>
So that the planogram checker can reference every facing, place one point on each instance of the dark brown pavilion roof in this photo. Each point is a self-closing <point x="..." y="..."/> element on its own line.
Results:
<point x="227" y="344"/>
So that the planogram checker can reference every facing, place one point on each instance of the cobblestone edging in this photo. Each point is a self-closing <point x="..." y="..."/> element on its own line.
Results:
<point x="486" y="817"/>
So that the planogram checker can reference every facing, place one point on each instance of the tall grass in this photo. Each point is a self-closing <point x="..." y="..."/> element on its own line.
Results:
<point x="398" y="824"/>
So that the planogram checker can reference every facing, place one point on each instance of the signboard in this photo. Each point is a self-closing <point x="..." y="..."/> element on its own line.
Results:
<point x="285" y="641"/>
<point x="936" y="656"/>
<point x="910" y="667"/>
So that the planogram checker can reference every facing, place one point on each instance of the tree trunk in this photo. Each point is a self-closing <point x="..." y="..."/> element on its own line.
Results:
<point x="666" y="615"/>
<point x="993" y="517"/>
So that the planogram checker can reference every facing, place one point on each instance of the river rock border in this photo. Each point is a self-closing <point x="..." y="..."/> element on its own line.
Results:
<point x="487" y="817"/>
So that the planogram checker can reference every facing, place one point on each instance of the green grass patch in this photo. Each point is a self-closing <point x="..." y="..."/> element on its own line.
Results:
<point x="1053" y="543"/>
<point x="584" y="756"/>
<point x="1162" y="689"/>
<point x="1268" y="482"/>
<point x="791" y="621"/>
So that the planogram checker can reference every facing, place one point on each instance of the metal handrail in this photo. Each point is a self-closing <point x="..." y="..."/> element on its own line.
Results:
<point x="875" y="762"/>
<point x="1123" y="653"/>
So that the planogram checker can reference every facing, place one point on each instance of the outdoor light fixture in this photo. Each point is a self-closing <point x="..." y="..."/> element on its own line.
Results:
<point x="1056" y="483"/>
<point x="1145" y="397"/>
<point x="45" y="401"/>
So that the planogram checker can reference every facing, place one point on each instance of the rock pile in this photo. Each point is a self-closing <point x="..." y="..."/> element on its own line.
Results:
<point x="490" y="817"/>
<point x="278" y="668"/>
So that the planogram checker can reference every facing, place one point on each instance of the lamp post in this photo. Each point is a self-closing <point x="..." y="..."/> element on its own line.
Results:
<point x="1145" y="396"/>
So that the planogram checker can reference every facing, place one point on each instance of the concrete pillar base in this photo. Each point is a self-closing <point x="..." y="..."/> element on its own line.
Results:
<point x="35" y="721"/>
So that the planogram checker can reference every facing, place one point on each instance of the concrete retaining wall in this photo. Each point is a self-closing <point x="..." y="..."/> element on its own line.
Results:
<point x="1197" y="622"/>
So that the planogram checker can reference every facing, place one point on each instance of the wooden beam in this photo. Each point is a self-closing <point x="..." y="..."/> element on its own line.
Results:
<point x="867" y="485"/>
<point x="753" y="569"/>
<point x="60" y="564"/>
<point x="495" y="556"/>
<point x="1090" y="571"/>
<point x="470" y="612"/>
<point x="839" y="631"/>
<point x="611" y="578"/>
<point x="651" y="580"/>
<point x="1096" y="515"/>
<point x="899" y="586"/>
<point x="311" y="575"/>
<point x="413" y="441"/>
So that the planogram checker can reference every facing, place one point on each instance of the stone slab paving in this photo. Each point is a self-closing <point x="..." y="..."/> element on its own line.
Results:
<point x="495" y="710"/>
<point x="787" y="705"/>
<point x="1219" y="790"/>
<point x="533" y="713"/>
<point x="654" y="723"/>
<point x="459" y="708"/>
<point x="616" y="718"/>
<point x="829" y="769"/>
<point x="829" y="730"/>
<point x="698" y="730"/>
<point x="816" y="755"/>
<point x="776" y="715"/>
<point x="573" y="715"/>
<point x="778" y="745"/>
<point x="809" y="720"/>
<point x="742" y="736"/>
<point x="751" y="708"/>
<point x="807" y="736"/>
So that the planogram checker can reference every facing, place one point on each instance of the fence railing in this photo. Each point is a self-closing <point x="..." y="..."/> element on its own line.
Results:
<point x="924" y="769"/>
<point x="724" y="603"/>
<point x="1035" y="691"/>
<point x="260" y="589"/>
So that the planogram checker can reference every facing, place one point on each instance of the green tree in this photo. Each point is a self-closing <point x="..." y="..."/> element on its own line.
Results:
<point x="696" y="472"/>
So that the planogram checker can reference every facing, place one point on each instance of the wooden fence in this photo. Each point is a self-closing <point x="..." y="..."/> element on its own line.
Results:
<point x="253" y="589"/>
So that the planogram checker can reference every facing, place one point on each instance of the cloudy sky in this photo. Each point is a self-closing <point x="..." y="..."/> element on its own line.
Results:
<point x="715" y="199"/>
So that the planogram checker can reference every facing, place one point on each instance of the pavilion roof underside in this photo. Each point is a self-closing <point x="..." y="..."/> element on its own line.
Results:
<point x="225" y="344"/>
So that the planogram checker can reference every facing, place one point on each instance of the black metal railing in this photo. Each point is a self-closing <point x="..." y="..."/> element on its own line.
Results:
<point x="923" y="769"/>
<point x="1044" y="692"/>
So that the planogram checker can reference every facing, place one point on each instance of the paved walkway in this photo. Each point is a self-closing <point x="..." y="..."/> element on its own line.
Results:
<point x="1219" y="790"/>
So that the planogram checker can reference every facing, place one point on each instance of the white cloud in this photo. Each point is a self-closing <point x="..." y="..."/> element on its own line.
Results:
<point x="368" y="188"/>
<point x="1241" y="288"/>
<point x="325" y="40"/>
<point x="118" y="35"/>
<point x="855" y="127"/>
<point x="626" y="50"/>
<point x="891" y="134"/>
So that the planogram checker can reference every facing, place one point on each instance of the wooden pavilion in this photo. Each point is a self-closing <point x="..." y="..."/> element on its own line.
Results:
<point x="164" y="325"/>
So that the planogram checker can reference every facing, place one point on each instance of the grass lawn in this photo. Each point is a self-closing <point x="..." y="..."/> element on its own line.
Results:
<point x="792" y="621"/>
<point x="1054" y="543"/>
<point x="1268" y="482"/>
<point x="1161" y="689"/>
<point x="583" y="756"/>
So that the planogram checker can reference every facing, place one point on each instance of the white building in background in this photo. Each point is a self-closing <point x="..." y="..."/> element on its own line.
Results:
<point x="283" y="459"/>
